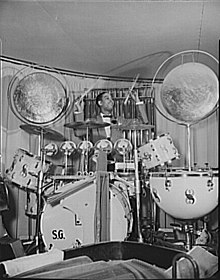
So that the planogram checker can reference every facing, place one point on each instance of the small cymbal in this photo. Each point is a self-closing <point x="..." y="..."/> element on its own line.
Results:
<point x="47" y="132"/>
<point x="86" y="124"/>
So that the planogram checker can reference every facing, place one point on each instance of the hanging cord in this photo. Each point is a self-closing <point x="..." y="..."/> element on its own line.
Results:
<point x="200" y="28"/>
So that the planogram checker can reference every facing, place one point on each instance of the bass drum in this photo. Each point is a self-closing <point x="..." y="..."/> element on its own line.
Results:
<point x="70" y="222"/>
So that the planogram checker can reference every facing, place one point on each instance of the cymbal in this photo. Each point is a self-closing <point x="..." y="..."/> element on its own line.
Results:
<point x="135" y="124"/>
<point x="137" y="127"/>
<point x="47" y="132"/>
<point x="86" y="124"/>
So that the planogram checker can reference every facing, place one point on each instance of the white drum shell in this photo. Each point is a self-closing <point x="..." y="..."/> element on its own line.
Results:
<point x="25" y="168"/>
<point x="72" y="222"/>
<point x="158" y="151"/>
<point x="183" y="194"/>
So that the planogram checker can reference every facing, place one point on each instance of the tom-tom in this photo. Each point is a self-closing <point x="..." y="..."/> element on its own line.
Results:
<point x="51" y="149"/>
<point x="68" y="147"/>
<point x="104" y="145"/>
<point x="123" y="146"/>
<point x="158" y="151"/>
<point x="25" y="168"/>
<point x="85" y="146"/>
<point x="185" y="194"/>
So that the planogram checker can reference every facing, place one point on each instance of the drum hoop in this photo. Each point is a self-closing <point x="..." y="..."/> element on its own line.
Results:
<point x="21" y="152"/>
<point x="124" y="200"/>
<point x="57" y="197"/>
<point x="174" y="174"/>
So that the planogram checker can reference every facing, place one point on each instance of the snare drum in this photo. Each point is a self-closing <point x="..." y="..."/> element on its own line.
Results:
<point x="68" y="222"/>
<point x="158" y="151"/>
<point x="185" y="194"/>
<point x="25" y="168"/>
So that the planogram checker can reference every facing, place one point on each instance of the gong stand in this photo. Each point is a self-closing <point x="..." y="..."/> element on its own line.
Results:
<point x="87" y="151"/>
<point x="85" y="155"/>
<point x="37" y="236"/>
<point x="137" y="189"/>
<point x="64" y="171"/>
<point x="188" y="147"/>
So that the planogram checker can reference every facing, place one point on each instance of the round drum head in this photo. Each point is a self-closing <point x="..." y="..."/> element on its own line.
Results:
<point x="38" y="97"/>
<point x="104" y="145"/>
<point x="123" y="146"/>
<point x="189" y="92"/>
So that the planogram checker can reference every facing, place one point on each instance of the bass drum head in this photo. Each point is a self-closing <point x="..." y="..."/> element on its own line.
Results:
<point x="71" y="222"/>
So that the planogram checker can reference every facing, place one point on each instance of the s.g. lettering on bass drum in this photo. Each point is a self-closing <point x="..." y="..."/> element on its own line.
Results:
<point x="69" y="216"/>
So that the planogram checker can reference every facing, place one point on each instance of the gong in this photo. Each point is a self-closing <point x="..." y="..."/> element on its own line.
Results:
<point x="189" y="92"/>
<point x="38" y="97"/>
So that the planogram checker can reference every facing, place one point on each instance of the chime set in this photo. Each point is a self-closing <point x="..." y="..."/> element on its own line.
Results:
<point x="66" y="218"/>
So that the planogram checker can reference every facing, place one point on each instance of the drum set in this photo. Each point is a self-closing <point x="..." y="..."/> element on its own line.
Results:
<point x="64" y="205"/>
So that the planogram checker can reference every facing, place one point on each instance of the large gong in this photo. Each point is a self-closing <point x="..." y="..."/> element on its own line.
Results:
<point x="38" y="97"/>
<point x="190" y="92"/>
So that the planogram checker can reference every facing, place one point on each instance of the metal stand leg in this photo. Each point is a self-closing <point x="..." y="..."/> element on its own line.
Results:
<point x="137" y="189"/>
<point x="37" y="236"/>
<point x="189" y="236"/>
<point x="37" y="232"/>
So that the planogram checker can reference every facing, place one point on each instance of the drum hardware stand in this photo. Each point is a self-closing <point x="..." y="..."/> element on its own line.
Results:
<point x="186" y="232"/>
<point x="87" y="151"/>
<point x="64" y="171"/>
<point x="137" y="188"/>
<point x="189" y="230"/>
<point x="67" y="150"/>
<point x="85" y="155"/>
<point x="151" y="227"/>
<point x="188" y="146"/>
<point x="37" y="236"/>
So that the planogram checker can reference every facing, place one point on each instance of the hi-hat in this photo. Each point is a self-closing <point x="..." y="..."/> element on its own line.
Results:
<point x="47" y="132"/>
<point x="86" y="124"/>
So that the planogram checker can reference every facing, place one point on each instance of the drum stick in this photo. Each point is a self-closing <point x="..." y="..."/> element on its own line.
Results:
<point x="131" y="88"/>
<point x="152" y="110"/>
<point x="88" y="90"/>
